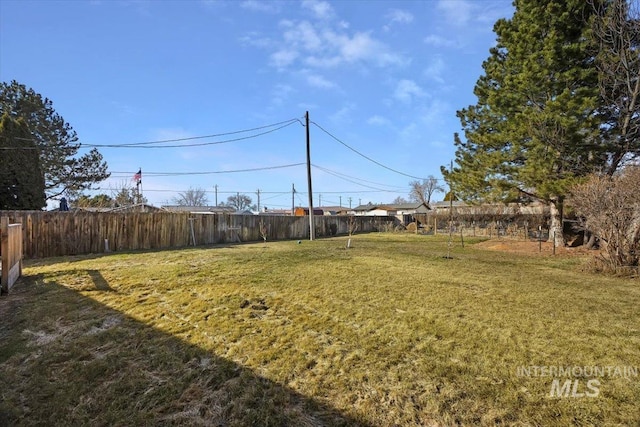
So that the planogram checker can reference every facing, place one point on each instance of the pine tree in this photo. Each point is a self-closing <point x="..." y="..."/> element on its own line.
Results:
<point x="21" y="177"/>
<point x="56" y="140"/>
<point x="534" y="130"/>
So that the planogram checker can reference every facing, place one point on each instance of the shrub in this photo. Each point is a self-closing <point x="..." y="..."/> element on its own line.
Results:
<point x="609" y="207"/>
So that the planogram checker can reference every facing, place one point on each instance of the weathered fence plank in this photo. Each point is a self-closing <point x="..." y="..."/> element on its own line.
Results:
<point x="49" y="234"/>
<point x="11" y="253"/>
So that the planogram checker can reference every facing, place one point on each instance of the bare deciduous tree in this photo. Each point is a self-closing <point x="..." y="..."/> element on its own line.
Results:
<point x="616" y="31"/>
<point x="352" y="225"/>
<point x="610" y="208"/>
<point x="422" y="191"/>
<point x="399" y="200"/>
<point x="191" y="197"/>
<point x="240" y="202"/>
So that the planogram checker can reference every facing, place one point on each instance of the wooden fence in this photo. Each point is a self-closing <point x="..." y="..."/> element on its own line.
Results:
<point x="11" y="253"/>
<point x="49" y="234"/>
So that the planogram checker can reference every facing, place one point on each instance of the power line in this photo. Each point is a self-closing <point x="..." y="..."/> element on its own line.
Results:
<point x="208" y="136"/>
<point x="158" y="174"/>
<point x="345" y="177"/>
<point x="150" y="144"/>
<point x="363" y="155"/>
<point x="357" y="183"/>
<point x="200" y="144"/>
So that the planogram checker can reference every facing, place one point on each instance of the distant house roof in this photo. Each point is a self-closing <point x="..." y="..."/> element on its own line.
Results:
<point x="409" y="206"/>
<point x="279" y="212"/>
<point x="196" y="209"/>
<point x="299" y="211"/>
<point x="365" y="208"/>
<point x="138" y="207"/>
<point x="332" y="210"/>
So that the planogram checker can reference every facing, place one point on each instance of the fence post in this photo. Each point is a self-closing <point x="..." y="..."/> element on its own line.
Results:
<point x="4" y="254"/>
<point x="11" y="253"/>
<point x="539" y="238"/>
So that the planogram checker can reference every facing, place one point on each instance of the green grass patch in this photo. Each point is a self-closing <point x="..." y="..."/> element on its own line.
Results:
<point x="389" y="332"/>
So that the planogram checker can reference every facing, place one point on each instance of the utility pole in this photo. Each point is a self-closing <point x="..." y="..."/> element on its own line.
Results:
<point x="258" y="193"/>
<point x="311" y="225"/>
<point x="340" y="201"/>
<point x="139" y="189"/>
<point x="349" y="202"/>
<point x="450" y="216"/>
<point x="215" y="187"/>
<point x="293" y="199"/>
<point x="319" y="200"/>
<point x="359" y="202"/>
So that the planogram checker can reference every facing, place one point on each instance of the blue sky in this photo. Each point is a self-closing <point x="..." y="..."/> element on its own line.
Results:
<point x="379" y="78"/>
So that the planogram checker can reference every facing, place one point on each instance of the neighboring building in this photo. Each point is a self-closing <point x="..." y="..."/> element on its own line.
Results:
<point x="276" y="212"/>
<point x="200" y="209"/>
<point x="305" y="211"/>
<point x="138" y="207"/>
<point x="374" y="210"/>
<point x="333" y="210"/>
<point x="405" y="213"/>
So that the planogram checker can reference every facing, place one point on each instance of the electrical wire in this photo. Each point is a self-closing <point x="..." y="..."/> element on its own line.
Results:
<point x="158" y="174"/>
<point x="339" y="175"/>
<point x="200" y="144"/>
<point x="363" y="155"/>
<point x="357" y="183"/>
<point x="205" y="136"/>
<point x="150" y="144"/>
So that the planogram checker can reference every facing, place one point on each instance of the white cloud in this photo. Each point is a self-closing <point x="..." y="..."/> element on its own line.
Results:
<point x="343" y="115"/>
<point x="399" y="16"/>
<point x="212" y="3"/>
<point x="456" y="12"/>
<point x="280" y="94"/>
<point x="406" y="90"/>
<point x="377" y="120"/>
<point x="434" y="113"/>
<point x="492" y="12"/>
<point x="318" y="81"/>
<point x="283" y="58"/>
<point x="260" y="6"/>
<point x="409" y="132"/>
<point x="325" y="43"/>
<point x="438" y="41"/>
<point x="255" y="39"/>
<point x="321" y="9"/>
<point x="435" y="69"/>
<point x="461" y="13"/>
<point x="303" y="34"/>
<point x="361" y="47"/>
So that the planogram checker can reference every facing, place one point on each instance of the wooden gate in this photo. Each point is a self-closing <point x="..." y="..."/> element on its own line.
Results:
<point x="11" y="253"/>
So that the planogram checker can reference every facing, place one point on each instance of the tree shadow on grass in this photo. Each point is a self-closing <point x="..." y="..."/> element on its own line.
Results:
<point x="69" y="360"/>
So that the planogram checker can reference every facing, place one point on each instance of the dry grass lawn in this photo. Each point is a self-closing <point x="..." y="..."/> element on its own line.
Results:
<point x="386" y="333"/>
